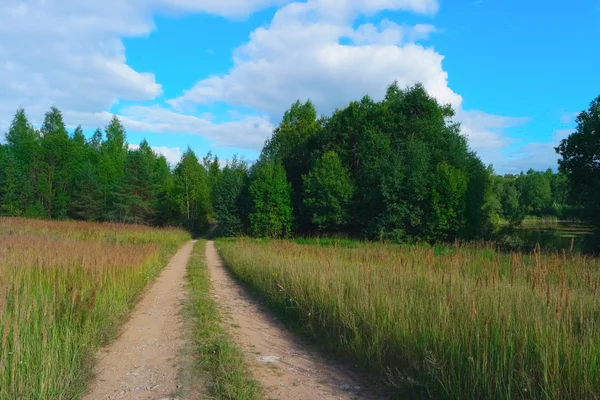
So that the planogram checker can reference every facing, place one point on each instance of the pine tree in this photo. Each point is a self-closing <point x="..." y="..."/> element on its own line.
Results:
<point x="271" y="201"/>
<point x="166" y="207"/>
<point x="23" y="146"/>
<point x="111" y="168"/>
<point x="227" y="198"/>
<point x="56" y="165"/>
<point x="87" y="196"/>
<point x="9" y="184"/>
<point x="135" y="197"/>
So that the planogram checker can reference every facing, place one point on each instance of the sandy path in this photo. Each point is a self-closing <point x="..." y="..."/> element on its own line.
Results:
<point x="286" y="368"/>
<point x="144" y="362"/>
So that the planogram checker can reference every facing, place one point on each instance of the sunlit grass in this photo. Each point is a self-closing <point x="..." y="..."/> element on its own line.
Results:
<point x="446" y="322"/>
<point x="65" y="287"/>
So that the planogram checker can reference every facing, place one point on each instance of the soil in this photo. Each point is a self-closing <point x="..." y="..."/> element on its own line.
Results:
<point x="145" y="361"/>
<point x="286" y="367"/>
<point x="151" y="358"/>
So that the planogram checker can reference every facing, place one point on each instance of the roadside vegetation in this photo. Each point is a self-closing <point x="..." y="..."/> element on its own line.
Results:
<point x="445" y="322"/>
<point x="65" y="288"/>
<point x="219" y="360"/>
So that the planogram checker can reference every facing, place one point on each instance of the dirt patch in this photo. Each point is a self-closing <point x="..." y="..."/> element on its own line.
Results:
<point x="144" y="362"/>
<point x="286" y="367"/>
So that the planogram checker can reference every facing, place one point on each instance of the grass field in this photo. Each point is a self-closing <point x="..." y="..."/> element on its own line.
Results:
<point x="462" y="322"/>
<point x="65" y="287"/>
<point x="220" y="362"/>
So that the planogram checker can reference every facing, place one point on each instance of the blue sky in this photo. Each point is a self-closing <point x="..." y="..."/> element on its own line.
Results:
<point x="217" y="75"/>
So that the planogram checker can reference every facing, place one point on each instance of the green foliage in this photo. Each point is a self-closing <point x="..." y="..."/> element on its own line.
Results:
<point x="291" y="146"/>
<point x="23" y="148"/>
<point x="49" y="174"/>
<point x="479" y="213"/>
<point x="192" y="192"/>
<point x="513" y="212"/>
<point x="533" y="194"/>
<point x="412" y="170"/>
<point x="111" y="171"/>
<point x="213" y="175"/>
<point x="536" y="194"/>
<point x="328" y="193"/>
<point x="86" y="198"/>
<point x="136" y="196"/>
<point x="448" y="200"/>
<point x="398" y="169"/>
<point x="166" y="209"/>
<point x="55" y="174"/>
<point x="271" y="201"/>
<point x="395" y="169"/>
<point x="228" y="198"/>
<point x="580" y="162"/>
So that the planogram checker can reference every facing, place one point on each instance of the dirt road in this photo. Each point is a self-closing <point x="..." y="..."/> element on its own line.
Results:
<point x="286" y="368"/>
<point x="144" y="362"/>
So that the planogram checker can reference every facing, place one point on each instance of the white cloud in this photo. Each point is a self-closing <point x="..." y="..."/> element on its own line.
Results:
<point x="69" y="53"/>
<point x="172" y="154"/>
<point x="390" y="33"/>
<point x="249" y="132"/>
<point x="227" y="8"/>
<point x="567" y="118"/>
<point x="267" y="76"/>
<point x="536" y="155"/>
<point x="485" y="131"/>
<point x="539" y="155"/>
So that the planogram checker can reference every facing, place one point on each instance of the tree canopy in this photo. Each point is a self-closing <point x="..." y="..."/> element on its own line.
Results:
<point x="580" y="162"/>
<point x="396" y="169"/>
<point x="51" y="174"/>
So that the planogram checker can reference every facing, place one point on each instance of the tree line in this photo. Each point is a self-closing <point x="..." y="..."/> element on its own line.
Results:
<point x="48" y="173"/>
<point x="539" y="194"/>
<point x="397" y="169"/>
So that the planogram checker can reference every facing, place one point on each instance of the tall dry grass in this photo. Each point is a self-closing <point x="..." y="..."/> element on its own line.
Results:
<point x="64" y="289"/>
<point x="462" y="322"/>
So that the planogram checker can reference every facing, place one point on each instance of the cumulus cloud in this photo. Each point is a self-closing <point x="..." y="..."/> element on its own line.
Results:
<point x="486" y="131"/>
<point x="243" y="131"/>
<point x="538" y="155"/>
<point x="249" y="132"/>
<point x="300" y="55"/>
<point x="309" y="52"/>
<point x="69" y="53"/>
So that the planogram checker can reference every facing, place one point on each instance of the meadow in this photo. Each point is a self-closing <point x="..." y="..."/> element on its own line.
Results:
<point x="446" y="322"/>
<point x="65" y="288"/>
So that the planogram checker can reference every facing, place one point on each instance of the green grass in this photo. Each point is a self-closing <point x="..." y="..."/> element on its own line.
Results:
<point x="462" y="322"/>
<point x="219" y="359"/>
<point x="65" y="288"/>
